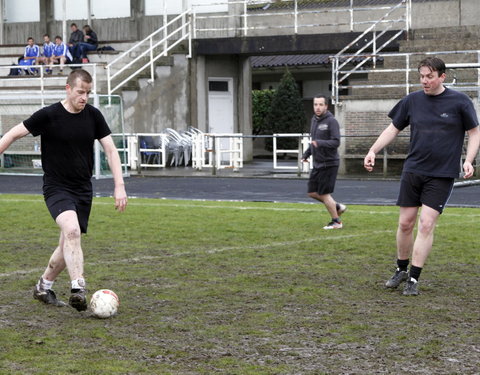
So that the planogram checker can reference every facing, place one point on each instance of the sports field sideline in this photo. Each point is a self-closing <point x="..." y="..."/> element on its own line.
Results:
<point x="293" y="190"/>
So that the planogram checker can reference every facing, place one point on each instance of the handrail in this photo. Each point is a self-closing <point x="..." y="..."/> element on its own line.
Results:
<point x="341" y="59"/>
<point x="185" y="19"/>
<point x="40" y="79"/>
<point x="460" y="86"/>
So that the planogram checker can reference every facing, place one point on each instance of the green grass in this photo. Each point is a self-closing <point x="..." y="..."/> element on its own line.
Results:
<point x="239" y="288"/>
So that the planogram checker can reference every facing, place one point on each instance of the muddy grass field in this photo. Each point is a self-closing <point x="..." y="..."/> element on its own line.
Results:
<point x="240" y="288"/>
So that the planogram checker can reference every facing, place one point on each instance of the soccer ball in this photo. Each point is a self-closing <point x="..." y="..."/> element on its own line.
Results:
<point x="104" y="303"/>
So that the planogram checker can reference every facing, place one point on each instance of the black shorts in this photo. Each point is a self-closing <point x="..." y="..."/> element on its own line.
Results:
<point x="322" y="180"/>
<point x="60" y="199"/>
<point x="416" y="190"/>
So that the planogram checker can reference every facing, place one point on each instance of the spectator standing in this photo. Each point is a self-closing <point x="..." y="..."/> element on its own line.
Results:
<point x="76" y="37"/>
<point x="90" y="43"/>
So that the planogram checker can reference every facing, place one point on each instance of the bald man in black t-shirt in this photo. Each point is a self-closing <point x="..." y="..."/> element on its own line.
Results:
<point x="68" y="130"/>
<point x="438" y="119"/>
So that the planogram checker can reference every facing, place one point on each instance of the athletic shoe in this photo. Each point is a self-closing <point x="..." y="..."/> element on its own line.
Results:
<point x="341" y="209"/>
<point x="398" y="278"/>
<point x="410" y="288"/>
<point x="78" y="299"/>
<point x="333" y="225"/>
<point x="47" y="296"/>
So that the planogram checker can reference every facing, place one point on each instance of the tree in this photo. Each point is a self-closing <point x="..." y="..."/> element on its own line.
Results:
<point x="261" y="104"/>
<point x="286" y="113"/>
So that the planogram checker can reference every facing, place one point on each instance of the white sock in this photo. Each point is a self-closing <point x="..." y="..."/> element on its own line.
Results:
<point x="44" y="284"/>
<point x="78" y="284"/>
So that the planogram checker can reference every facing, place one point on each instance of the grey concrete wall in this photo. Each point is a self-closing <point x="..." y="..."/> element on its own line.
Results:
<point x="424" y="15"/>
<point x="161" y="104"/>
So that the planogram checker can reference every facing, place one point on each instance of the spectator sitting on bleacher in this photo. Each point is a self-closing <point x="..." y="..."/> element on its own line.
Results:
<point x="90" y="44"/>
<point x="76" y="37"/>
<point x="46" y="58"/>
<point x="32" y="52"/>
<point x="61" y="54"/>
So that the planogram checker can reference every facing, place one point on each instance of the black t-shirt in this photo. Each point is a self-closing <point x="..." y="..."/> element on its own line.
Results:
<point x="437" y="130"/>
<point x="67" y="142"/>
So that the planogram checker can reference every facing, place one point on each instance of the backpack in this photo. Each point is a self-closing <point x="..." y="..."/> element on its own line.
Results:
<point x="105" y="48"/>
<point x="14" y="71"/>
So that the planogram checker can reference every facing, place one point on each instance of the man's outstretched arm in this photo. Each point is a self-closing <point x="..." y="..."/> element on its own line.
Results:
<point x="17" y="132"/>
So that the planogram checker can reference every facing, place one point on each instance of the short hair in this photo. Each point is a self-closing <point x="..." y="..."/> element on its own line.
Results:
<point x="434" y="64"/>
<point x="320" y="96"/>
<point x="81" y="74"/>
<point x="29" y="38"/>
<point x="58" y="37"/>
<point x="44" y="35"/>
<point x="73" y="24"/>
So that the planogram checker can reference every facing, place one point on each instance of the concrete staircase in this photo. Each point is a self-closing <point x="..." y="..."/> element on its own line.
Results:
<point x="464" y="38"/>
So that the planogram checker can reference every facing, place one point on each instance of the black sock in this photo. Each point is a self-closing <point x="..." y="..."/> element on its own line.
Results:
<point x="337" y="220"/>
<point x="415" y="272"/>
<point x="337" y="206"/>
<point x="402" y="264"/>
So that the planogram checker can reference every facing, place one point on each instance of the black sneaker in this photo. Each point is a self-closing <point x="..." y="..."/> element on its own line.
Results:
<point x="78" y="299"/>
<point x="47" y="296"/>
<point x="410" y="288"/>
<point x="398" y="278"/>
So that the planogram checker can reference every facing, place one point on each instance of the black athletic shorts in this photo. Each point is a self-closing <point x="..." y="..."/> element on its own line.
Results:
<point x="322" y="180"/>
<point x="416" y="190"/>
<point x="60" y="199"/>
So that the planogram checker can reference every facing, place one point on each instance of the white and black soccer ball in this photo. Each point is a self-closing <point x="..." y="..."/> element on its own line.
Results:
<point x="104" y="303"/>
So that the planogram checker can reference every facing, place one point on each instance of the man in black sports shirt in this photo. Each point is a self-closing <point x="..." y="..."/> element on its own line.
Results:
<point x="68" y="130"/>
<point x="438" y="119"/>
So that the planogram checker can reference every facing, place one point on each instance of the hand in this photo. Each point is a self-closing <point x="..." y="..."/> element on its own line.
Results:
<point x="468" y="169"/>
<point x="120" y="196"/>
<point x="314" y="143"/>
<point x="305" y="160"/>
<point x="369" y="161"/>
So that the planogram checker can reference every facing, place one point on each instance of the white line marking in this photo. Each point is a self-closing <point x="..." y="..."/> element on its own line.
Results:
<point x="209" y="251"/>
<point x="133" y="202"/>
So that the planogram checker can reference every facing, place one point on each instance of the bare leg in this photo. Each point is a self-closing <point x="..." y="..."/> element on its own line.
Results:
<point x="56" y="264"/>
<point x="406" y="224"/>
<point x="328" y="201"/>
<point x="72" y="250"/>
<point x="424" y="240"/>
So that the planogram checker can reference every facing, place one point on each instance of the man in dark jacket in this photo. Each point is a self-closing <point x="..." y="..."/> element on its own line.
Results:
<point x="90" y="44"/>
<point x="76" y="37"/>
<point x="325" y="134"/>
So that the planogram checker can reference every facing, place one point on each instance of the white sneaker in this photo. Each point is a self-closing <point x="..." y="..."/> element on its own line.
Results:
<point x="333" y="225"/>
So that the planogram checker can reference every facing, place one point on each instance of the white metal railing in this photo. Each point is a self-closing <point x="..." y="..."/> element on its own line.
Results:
<point x="40" y="85"/>
<point x="472" y="85"/>
<point x="246" y="16"/>
<point x="341" y="59"/>
<point x="304" y="141"/>
<point x="150" y="49"/>
<point x="217" y="151"/>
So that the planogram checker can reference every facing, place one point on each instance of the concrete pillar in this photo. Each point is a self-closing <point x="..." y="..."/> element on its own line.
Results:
<point x="137" y="12"/>
<point x="47" y="22"/>
<point x="2" y="8"/>
<point x="244" y="109"/>
<point x="201" y="93"/>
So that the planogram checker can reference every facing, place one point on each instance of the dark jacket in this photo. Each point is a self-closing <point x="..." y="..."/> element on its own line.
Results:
<point x="326" y="132"/>
<point x="93" y="38"/>
<point x="76" y="37"/>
